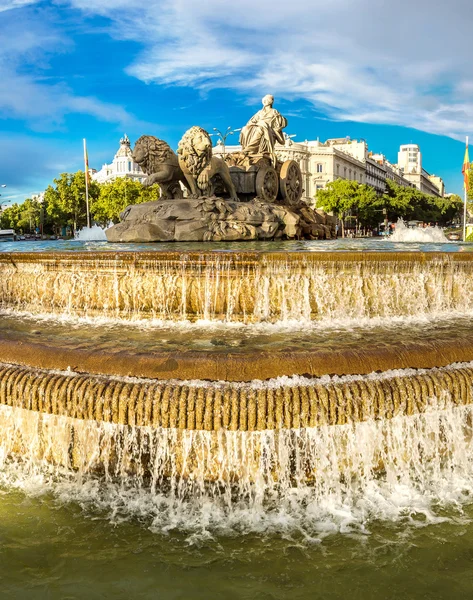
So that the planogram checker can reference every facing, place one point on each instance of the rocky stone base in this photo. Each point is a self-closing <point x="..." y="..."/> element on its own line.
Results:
<point x="213" y="219"/>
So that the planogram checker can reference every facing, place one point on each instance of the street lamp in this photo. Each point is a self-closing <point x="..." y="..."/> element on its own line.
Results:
<point x="223" y="136"/>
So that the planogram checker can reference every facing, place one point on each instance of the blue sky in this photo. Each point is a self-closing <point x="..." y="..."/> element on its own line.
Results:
<point x="390" y="73"/>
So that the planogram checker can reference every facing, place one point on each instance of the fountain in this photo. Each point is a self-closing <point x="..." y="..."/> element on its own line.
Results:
<point x="268" y="385"/>
<point x="428" y="234"/>
<point x="94" y="233"/>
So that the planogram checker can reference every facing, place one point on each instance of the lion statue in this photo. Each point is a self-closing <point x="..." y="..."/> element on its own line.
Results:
<point x="160" y="163"/>
<point x="200" y="166"/>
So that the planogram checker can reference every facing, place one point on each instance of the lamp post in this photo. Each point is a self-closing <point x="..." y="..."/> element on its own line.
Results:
<point x="223" y="136"/>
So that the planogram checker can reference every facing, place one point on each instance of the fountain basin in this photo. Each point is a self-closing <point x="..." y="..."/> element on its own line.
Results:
<point x="237" y="287"/>
<point x="83" y="386"/>
<point x="233" y="354"/>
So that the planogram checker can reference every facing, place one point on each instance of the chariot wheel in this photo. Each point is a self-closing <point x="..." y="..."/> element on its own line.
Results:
<point x="291" y="182"/>
<point x="267" y="184"/>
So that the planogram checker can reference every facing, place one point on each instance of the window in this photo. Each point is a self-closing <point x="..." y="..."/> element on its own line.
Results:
<point x="129" y="166"/>
<point x="338" y="169"/>
<point x="345" y="171"/>
<point x="320" y="168"/>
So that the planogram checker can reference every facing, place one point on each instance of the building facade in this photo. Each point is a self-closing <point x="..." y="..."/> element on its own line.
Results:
<point x="409" y="158"/>
<point x="376" y="174"/>
<point x="320" y="163"/>
<point x="121" y="166"/>
<point x="343" y="158"/>
<point x="409" y="162"/>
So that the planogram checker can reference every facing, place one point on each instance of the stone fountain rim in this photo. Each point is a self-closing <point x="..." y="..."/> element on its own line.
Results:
<point x="235" y="256"/>
<point x="237" y="367"/>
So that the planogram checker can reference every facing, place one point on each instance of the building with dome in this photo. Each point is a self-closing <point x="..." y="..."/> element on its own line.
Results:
<point x="121" y="166"/>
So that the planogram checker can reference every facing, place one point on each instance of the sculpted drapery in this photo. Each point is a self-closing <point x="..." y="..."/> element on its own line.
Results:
<point x="263" y="130"/>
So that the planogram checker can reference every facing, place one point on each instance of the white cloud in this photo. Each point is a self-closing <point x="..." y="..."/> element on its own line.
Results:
<point x="29" y="90"/>
<point x="11" y="4"/>
<point x="406" y="63"/>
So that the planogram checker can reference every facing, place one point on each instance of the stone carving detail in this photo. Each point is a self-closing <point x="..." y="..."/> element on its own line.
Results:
<point x="263" y="130"/>
<point x="199" y="166"/>
<point x="251" y="195"/>
<point x="208" y="218"/>
<point x="160" y="163"/>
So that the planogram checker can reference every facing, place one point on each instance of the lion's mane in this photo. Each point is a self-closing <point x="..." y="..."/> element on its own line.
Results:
<point x="195" y="160"/>
<point x="157" y="152"/>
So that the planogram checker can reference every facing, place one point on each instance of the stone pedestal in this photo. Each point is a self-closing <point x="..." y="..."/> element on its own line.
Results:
<point x="210" y="219"/>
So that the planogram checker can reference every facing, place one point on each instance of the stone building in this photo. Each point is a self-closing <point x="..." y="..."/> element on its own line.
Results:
<point x="320" y="163"/>
<point x="409" y="158"/>
<point x="121" y="166"/>
<point x="423" y="181"/>
<point x="409" y="162"/>
<point x="439" y="184"/>
<point x="392" y="171"/>
<point x="376" y="174"/>
<point x="343" y="158"/>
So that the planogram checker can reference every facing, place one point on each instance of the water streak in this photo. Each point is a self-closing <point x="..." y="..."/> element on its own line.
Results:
<point x="330" y="478"/>
<point x="239" y="287"/>
<point x="425" y="235"/>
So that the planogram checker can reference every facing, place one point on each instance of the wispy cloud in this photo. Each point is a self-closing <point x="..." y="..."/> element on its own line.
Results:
<point x="11" y="4"/>
<point x="405" y="63"/>
<point x="29" y="90"/>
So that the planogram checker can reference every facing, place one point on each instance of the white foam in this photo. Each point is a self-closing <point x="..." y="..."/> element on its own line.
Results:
<point x="426" y="235"/>
<point x="406" y="468"/>
<point x="91" y="234"/>
<point x="256" y="329"/>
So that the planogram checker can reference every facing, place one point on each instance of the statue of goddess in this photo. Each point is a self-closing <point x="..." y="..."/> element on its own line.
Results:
<point x="263" y="130"/>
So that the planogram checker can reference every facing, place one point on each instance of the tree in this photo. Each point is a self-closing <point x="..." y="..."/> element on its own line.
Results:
<point x="399" y="201"/>
<point x="450" y="208"/>
<point x="66" y="203"/>
<point x="344" y="197"/>
<point x="116" y="195"/>
<point x="29" y="215"/>
<point x="9" y="217"/>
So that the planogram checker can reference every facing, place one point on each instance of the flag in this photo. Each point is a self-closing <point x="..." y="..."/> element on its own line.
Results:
<point x="466" y="168"/>
<point x="86" y="164"/>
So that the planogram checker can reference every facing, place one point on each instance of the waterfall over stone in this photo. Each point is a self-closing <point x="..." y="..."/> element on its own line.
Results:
<point x="256" y="425"/>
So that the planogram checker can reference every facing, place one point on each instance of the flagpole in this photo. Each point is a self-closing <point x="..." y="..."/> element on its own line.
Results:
<point x="465" y="199"/>
<point x="86" y="168"/>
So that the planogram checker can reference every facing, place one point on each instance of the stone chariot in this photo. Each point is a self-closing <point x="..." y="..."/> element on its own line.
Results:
<point x="282" y="183"/>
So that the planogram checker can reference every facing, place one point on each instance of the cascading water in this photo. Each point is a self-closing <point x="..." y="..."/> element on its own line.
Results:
<point x="429" y="234"/>
<point x="391" y="463"/>
<point x="247" y="288"/>
<point x="212" y="440"/>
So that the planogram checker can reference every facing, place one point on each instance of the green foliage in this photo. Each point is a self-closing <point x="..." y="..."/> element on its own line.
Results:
<point x="116" y="195"/>
<point x="66" y="203"/>
<point x="65" y="200"/>
<point x="9" y="217"/>
<point x="23" y="218"/>
<point x="348" y="199"/>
